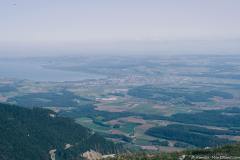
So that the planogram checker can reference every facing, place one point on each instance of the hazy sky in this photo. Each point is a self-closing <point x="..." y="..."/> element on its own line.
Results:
<point x="81" y="24"/>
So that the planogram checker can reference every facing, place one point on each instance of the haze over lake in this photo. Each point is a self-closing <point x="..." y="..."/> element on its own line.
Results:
<point x="37" y="72"/>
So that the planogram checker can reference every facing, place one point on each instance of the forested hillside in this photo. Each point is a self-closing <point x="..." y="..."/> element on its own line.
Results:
<point x="29" y="134"/>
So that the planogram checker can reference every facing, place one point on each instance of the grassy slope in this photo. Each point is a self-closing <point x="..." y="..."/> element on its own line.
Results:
<point x="227" y="151"/>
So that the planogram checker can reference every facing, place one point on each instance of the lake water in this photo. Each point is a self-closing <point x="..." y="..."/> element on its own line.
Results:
<point x="34" y="71"/>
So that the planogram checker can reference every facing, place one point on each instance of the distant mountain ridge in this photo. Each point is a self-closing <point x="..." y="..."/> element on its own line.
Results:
<point x="38" y="134"/>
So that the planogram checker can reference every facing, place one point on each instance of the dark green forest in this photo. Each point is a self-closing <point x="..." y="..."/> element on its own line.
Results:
<point x="27" y="134"/>
<point x="61" y="99"/>
<point x="176" y="95"/>
<point x="198" y="136"/>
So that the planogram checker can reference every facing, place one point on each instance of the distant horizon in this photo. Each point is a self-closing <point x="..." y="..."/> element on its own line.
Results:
<point x="154" y="47"/>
